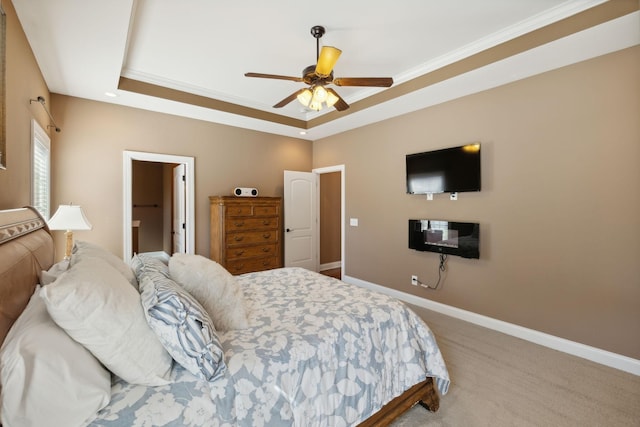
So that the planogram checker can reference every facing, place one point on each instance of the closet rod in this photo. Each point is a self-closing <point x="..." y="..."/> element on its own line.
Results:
<point x="40" y="99"/>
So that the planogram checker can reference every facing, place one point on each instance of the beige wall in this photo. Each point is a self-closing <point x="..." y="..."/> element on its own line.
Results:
<point x="23" y="82"/>
<point x="559" y="207"/>
<point x="88" y="159"/>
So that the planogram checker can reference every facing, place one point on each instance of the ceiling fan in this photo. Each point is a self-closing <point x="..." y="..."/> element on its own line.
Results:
<point x="319" y="75"/>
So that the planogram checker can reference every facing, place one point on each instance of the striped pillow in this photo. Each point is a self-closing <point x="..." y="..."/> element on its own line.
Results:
<point x="183" y="327"/>
<point x="148" y="263"/>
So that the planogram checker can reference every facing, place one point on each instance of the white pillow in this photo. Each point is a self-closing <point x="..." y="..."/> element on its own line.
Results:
<point x="50" y="276"/>
<point x="44" y="373"/>
<point x="83" y="250"/>
<point x="213" y="287"/>
<point x="98" y="308"/>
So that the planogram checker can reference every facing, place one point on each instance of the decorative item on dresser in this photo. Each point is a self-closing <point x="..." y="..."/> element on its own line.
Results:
<point x="246" y="233"/>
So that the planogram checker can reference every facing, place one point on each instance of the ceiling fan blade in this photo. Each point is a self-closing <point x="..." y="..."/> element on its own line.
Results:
<point x="273" y="76"/>
<point x="363" y="81"/>
<point x="288" y="99"/>
<point x="327" y="60"/>
<point x="340" y="104"/>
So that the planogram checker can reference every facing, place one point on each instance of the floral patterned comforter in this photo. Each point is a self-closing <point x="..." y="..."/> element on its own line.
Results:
<point x="318" y="352"/>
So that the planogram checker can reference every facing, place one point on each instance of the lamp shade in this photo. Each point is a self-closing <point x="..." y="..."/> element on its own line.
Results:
<point x="328" y="57"/>
<point x="332" y="98"/>
<point x="305" y="97"/>
<point x="69" y="217"/>
<point x="319" y="94"/>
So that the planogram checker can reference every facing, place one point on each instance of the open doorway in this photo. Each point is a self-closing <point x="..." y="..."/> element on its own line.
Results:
<point x="155" y="215"/>
<point x="154" y="186"/>
<point x="334" y="180"/>
<point x="303" y="206"/>
<point x="330" y="219"/>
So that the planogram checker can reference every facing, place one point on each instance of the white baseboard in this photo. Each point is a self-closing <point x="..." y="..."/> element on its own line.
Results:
<point x="330" y="265"/>
<point x="594" y="354"/>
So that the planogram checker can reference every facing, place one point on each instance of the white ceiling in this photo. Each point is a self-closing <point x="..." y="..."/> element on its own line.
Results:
<point x="204" y="47"/>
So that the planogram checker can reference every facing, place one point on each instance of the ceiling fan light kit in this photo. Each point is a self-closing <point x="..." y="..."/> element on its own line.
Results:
<point x="318" y="76"/>
<point x="317" y="98"/>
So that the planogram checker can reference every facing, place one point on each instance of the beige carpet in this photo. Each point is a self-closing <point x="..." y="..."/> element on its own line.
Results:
<point x="498" y="380"/>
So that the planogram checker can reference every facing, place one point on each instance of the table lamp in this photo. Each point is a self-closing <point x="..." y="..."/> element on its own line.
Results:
<point x="69" y="217"/>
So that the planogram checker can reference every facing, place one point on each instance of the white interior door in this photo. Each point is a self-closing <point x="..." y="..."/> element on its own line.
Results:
<point x="179" y="210"/>
<point x="300" y="220"/>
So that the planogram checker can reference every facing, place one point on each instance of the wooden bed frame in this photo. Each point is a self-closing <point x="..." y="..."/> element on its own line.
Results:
<point x="26" y="249"/>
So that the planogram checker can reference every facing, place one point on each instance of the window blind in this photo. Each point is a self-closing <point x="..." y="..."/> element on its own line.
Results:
<point x="40" y="170"/>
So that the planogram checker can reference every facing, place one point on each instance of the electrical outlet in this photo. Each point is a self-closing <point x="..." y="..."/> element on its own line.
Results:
<point x="414" y="280"/>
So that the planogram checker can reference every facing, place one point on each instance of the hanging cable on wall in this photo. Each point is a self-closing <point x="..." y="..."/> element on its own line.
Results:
<point x="441" y="269"/>
<point x="40" y="99"/>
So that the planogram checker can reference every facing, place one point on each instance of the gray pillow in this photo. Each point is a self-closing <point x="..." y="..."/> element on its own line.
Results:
<point x="181" y="324"/>
<point x="141" y="263"/>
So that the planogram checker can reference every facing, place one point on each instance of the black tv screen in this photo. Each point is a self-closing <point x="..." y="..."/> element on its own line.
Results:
<point x="449" y="170"/>
<point x="446" y="237"/>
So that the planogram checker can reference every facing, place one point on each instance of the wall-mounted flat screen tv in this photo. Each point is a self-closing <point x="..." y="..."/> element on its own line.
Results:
<point x="449" y="170"/>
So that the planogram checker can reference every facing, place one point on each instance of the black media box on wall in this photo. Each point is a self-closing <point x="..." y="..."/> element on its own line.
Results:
<point x="245" y="192"/>
<point x="447" y="237"/>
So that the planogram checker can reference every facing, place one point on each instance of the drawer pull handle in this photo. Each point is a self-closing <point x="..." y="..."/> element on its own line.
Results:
<point x="238" y="238"/>
<point x="266" y="222"/>
<point x="266" y="235"/>
<point x="239" y="267"/>
<point x="240" y="252"/>
<point x="239" y="223"/>
<point x="266" y="249"/>
<point x="266" y="263"/>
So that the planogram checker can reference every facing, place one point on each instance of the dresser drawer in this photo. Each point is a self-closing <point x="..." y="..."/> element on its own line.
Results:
<point x="252" y="223"/>
<point x="265" y="210"/>
<point x="246" y="232"/>
<point x="251" y="237"/>
<point x="252" y="251"/>
<point x="240" y="266"/>
<point x="251" y="210"/>
<point x="238" y="210"/>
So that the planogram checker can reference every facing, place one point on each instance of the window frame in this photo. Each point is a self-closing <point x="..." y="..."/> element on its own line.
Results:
<point x="40" y="139"/>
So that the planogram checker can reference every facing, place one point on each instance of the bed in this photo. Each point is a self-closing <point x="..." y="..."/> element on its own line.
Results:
<point x="315" y="351"/>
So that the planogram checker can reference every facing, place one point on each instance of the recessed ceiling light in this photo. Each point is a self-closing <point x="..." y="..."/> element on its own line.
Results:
<point x="110" y="94"/>
<point x="302" y="132"/>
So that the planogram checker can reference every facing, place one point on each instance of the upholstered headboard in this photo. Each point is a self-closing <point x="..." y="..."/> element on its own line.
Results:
<point x="26" y="248"/>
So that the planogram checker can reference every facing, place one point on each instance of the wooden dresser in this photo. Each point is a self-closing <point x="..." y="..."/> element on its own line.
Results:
<point x="246" y="233"/>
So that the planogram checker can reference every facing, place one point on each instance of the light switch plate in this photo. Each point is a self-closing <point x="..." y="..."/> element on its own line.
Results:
<point x="353" y="222"/>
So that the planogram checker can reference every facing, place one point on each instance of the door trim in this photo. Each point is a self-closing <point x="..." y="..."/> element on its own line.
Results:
<point x="127" y="166"/>
<point x="330" y="169"/>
